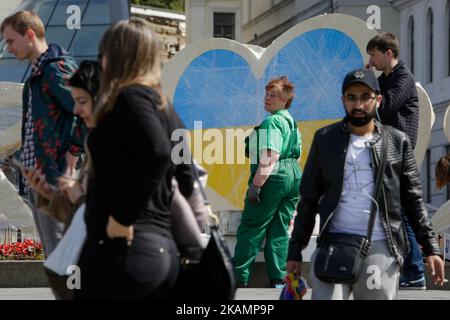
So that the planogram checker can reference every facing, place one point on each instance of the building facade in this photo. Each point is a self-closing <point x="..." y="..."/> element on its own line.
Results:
<point x="259" y="22"/>
<point x="169" y="25"/>
<point x="425" y="45"/>
<point x="206" y="18"/>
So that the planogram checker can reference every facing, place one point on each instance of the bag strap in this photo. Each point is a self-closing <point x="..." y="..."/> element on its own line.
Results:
<point x="378" y="181"/>
<point x="294" y="132"/>
<point x="211" y="215"/>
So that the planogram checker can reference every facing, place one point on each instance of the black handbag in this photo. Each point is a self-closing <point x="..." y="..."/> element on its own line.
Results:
<point x="211" y="278"/>
<point x="341" y="256"/>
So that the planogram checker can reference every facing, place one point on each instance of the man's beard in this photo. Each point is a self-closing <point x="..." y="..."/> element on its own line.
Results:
<point x="360" y="122"/>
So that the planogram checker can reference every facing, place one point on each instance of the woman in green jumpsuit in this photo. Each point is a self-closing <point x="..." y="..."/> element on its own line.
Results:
<point x="274" y="148"/>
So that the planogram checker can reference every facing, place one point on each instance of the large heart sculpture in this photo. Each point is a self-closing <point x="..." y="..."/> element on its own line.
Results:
<point x="10" y="117"/>
<point x="16" y="212"/>
<point x="221" y="83"/>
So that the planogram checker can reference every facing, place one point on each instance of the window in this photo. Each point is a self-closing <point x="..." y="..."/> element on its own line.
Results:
<point x="98" y="12"/>
<point x="96" y="16"/>
<point x="86" y="41"/>
<point x="224" y="25"/>
<point x="60" y="15"/>
<point x="430" y="45"/>
<point x="44" y="9"/>
<point x="60" y="35"/>
<point x="411" y="43"/>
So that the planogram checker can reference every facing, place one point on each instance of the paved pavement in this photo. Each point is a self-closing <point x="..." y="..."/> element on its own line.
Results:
<point x="273" y="294"/>
<point x="26" y="294"/>
<point x="241" y="294"/>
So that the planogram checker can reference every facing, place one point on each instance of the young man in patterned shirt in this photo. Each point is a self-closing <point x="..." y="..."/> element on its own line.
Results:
<point x="51" y="133"/>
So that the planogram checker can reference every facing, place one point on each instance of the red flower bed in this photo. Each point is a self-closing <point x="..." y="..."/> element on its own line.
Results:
<point x="26" y="250"/>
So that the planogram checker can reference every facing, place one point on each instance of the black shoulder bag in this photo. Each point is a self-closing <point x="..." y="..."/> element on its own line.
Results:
<point x="212" y="277"/>
<point x="341" y="256"/>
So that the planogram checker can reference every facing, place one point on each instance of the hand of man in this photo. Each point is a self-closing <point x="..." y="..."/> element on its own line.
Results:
<point x="436" y="266"/>
<point x="253" y="194"/>
<point x="70" y="187"/>
<point x="71" y="164"/>
<point x="294" y="267"/>
<point x="369" y="65"/>
<point x="38" y="182"/>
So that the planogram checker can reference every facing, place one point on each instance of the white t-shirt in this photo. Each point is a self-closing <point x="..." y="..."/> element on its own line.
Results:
<point x="353" y="211"/>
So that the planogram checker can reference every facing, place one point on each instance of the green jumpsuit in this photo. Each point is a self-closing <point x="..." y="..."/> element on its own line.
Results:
<point x="271" y="217"/>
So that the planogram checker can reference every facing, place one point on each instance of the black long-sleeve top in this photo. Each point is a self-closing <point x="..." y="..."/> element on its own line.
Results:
<point x="132" y="169"/>
<point x="400" y="105"/>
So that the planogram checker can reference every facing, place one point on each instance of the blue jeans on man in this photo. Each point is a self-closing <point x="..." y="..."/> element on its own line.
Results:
<point x="413" y="275"/>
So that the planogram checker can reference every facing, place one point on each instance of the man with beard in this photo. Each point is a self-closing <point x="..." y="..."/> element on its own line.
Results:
<point x="338" y="183"/>
<point x="399" y="109"/>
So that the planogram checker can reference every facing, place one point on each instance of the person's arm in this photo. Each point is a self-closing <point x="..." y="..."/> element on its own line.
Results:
<point x="311" y="190"/>
<point x="270" y="142"/>
<point x="269" y="159"/>
<point x="184" y="172"/>
<point x="413" y="204"/>
<point x="55" y="79"/>
<point x="71" y="187"/>
<point x="141" y="128"/>
<point x="51" y="201"/>
<point x="397" y="95"/>
<point x="38" y="182"/>
<point x="76" y="142"/>
<point x="59" y="206"/>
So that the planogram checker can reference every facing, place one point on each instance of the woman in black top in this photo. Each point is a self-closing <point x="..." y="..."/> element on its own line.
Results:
<point x="130" y="252"/>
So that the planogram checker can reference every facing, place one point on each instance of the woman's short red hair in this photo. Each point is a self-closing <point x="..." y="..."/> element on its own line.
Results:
<point x="285" y="86"/>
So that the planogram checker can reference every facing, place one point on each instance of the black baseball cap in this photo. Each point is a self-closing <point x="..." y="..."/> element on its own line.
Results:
<point x="364" y="76"/>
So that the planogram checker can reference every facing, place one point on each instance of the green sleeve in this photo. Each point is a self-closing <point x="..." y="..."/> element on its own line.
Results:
<point x="271" y="134"/>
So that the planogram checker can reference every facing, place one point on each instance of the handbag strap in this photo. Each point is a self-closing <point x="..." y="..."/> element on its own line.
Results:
<point x="378" y="181"/>
<point x="213" y="216"/>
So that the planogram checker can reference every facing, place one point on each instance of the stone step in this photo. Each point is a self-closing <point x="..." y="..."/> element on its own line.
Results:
<point x="22" y="274"/>
<point x="259" y="277"/>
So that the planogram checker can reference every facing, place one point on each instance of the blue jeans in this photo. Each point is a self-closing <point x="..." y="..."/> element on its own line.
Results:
<point x="413" y="268"/>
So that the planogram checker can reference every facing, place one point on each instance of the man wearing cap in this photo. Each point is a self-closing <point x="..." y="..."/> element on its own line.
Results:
<point x="338" y="184"/>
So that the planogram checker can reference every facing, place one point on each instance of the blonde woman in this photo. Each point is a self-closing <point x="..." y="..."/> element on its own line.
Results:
<point x="130" y="252"/>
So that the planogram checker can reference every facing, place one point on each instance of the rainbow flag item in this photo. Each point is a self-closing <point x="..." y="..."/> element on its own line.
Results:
<point x="294" y="289"/>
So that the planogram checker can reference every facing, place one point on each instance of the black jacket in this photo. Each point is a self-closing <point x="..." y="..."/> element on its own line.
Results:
<point x="400" y="105"/>
<point x="322" y="183"/>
